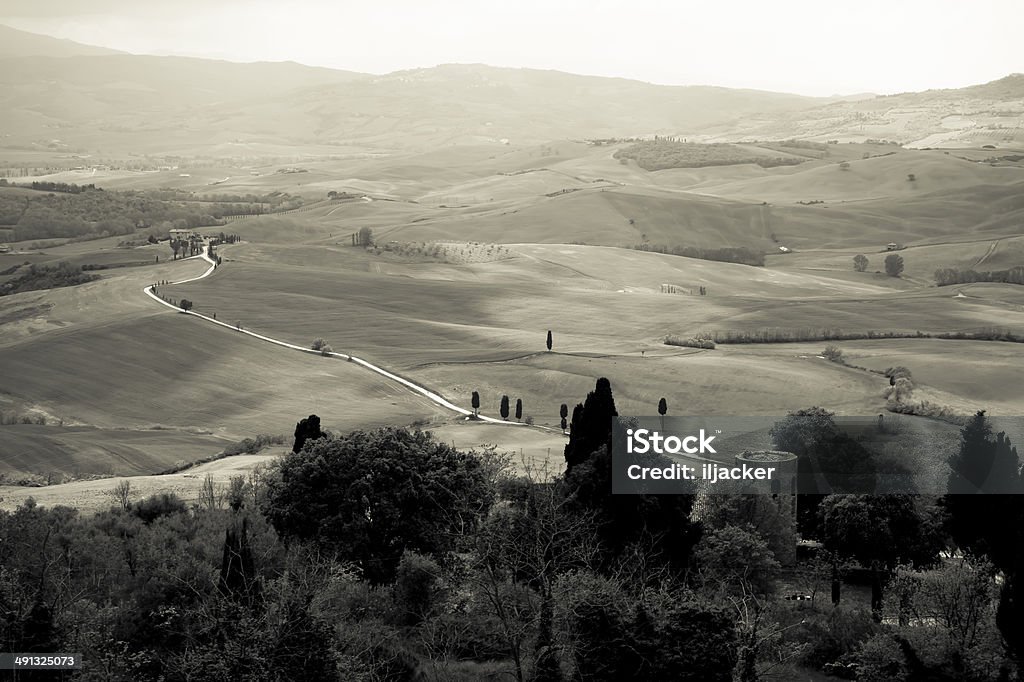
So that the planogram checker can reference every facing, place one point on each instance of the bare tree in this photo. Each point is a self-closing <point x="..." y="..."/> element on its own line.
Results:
<point x="122" y="494"/>
<point x="520" y="553"/>
<point x="210" y="496"/>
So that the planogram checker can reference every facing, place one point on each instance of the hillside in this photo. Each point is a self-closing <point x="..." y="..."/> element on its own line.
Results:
<point x="15" y="43"/>
<point x="989" y="113"/>
<point x="105" y="102"/>
<point x="118" y="102"/>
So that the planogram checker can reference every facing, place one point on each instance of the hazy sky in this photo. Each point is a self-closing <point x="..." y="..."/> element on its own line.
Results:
<point x="816" y="47"/>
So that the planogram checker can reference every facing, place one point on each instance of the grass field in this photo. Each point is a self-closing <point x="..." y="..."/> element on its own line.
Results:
<point x="105" y="358"/>
<point x="74" y="451"/>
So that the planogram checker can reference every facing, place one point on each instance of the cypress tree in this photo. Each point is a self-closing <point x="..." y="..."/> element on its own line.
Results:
<point x="591" y="424"/>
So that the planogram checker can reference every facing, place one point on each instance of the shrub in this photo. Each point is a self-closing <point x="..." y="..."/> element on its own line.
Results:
<point x="155" y="506"/>
<point x="250" y="446"/>
<point x="695" y="342"/>
<point x="894" y="265"/>
<point x="836" y="635"/>
<point x="833" y="354"/>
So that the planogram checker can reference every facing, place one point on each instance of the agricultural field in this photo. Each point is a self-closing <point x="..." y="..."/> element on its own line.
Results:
<point x="468" y="275"/>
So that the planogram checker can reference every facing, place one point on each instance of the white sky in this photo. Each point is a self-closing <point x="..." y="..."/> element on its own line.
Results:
<point x="814" y="47"/>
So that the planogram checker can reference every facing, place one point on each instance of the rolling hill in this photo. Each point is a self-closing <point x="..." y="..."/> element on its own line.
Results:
<point x="15" y="43"/>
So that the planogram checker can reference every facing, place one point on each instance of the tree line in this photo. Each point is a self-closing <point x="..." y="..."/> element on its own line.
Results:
<point x="389" y="555"/>
<point x="948" y="276"/>
<point x="725" y="254"/>
<point x="663" y="153"/>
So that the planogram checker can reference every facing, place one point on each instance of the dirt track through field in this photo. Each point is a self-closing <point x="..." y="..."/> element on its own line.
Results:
<point x="416" y="388"/>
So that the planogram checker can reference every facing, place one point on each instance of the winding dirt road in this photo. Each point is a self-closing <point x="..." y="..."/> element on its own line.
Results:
<point x="416" y="388"/>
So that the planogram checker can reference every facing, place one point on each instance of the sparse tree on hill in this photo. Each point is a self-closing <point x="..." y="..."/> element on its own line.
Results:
<point x="662" y="410"/>
<point x="563" y="412"/>
<point x="122" y="495"/>
<point x="365" y="236"/>
<point x="860" y="262"/>
<point x="519" y="409"/>
<point x="476" y="404"/>
<point x="893" y="265"/>
<point x="549" y="339"/>
<point x="504" y="407"/>
<point x="322" y="346"/>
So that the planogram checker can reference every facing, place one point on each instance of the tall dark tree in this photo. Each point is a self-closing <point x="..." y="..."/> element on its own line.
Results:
<point x="307" y="429"/>
<point x="519" y="409"/>
<point x="563" y="412"/>
<point x="658" y="524"/>
<point x="984" y="484"/>
<point x="662" y="411"/>
<point x="476" y="404"/>
<point x="504" y="407"/>
<point x="549" y="339"/>
<point x="591" y="424"/>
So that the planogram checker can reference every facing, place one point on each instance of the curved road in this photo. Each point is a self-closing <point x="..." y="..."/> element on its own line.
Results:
<point x="430" y="395"/>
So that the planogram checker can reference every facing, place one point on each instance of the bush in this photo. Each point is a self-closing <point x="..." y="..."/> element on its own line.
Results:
<point x="834" y="636"/>
<point x="894" y="265"/>
<point x="898" y="372"/>
<point x="161" y="504"/>
<point x="250" y="446"/>
<point x="690" y="343"/>
<point x="416" y="589"/>
<point x="423" y="495"/>
<point x="926" y="408"/>
<point x="833" y="354"/>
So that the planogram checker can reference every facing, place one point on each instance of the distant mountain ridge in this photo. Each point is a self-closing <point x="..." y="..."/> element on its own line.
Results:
<point x="15" y="43"/>
<point x="57" y="94"/>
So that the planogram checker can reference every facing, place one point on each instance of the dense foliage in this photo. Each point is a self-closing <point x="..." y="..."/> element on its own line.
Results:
<point x="725" y="254"/>
<point x="385" y="555"/>
<point x="46" y="277"/>
<point x="662" y="153"/>
<point x="368" y="497"/>
<point x="947" y="276"/>
<point x="70" y="211"/>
